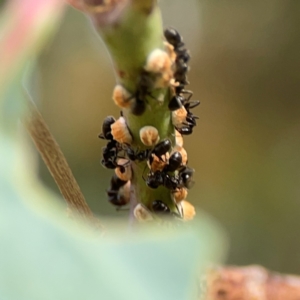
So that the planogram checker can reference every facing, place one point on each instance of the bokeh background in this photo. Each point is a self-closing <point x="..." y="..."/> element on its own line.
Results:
<point x="245" y="70"/>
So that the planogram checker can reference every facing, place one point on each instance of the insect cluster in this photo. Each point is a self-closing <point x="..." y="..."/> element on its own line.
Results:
<point x="183" y="119"/>
<point x="164" y="159"/>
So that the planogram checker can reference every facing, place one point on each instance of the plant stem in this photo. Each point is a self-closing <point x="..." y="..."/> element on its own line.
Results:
<point x="57" y="164"/>
<point x="132" y="35"/>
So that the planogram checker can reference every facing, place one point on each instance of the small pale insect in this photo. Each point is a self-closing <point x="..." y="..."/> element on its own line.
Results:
<point x="173" y="37"/>
<point x="180" y="194"/>
<point x="183" y="153"/>
<point x="158" y="61"/>
<point x="120" y="131"/>
<point x="174" y="163"/>
<point x="117" y="192"/>
<point x="178" y="139"/>
<point x="142" y="214"/>
<point x="163" y="210"/>
<point x="158" y="164"/>
<point x="149" y="135"/>
<point x="160" y="150"/>
<point x="123" y="171"/>
<point x="170" y="50"/>
<point x="186" y="176"/>
<point x="179" y="117"/>
<point x="189" y="211"/>
<point x="119" y="197"/>
<point x="121" y="97"/>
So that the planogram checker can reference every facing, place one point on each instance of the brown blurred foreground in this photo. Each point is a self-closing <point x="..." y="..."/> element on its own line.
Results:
<point x="251" y="283"/>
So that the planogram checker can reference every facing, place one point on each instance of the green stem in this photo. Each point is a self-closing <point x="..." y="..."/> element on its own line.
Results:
<point x="130" y="40"/>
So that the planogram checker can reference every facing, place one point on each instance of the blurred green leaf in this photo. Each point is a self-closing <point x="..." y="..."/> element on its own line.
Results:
<point x="24" y="28"/>
<point x="47" y="259"/>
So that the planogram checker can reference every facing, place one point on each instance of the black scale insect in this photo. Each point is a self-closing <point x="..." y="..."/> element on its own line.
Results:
<point x="110" y="152"/>
<point x="180" y="76"/>
<point x="136" y="155"/>
<point x="171" y="182"/>
<point x="160" y="149"/>
<point x="175" y="162"/>
<point x="186" y="175"/>
<point x="158" y="178"/>
<point x="145" y="84"/>
<point x="188" y="125"/>
<point x="182" y="58"/>
<point x="113" y="193"/>
<point x="190" y="118"/>
<point x="106" y="130"/>
<point x="160" y="208"/>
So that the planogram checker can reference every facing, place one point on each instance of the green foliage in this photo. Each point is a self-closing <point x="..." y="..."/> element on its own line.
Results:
<point x="47" y="259"/>
<point x="45" y="255"/>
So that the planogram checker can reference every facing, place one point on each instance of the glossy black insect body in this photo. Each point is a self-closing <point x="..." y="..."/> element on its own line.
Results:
<point x="186" y="177"/>
<point x="144" y="86"/>
<point x="191" y="119"/>
<point x="110" y="155"/>
<point x="160" y="207"/>
<point x="155" y="179"/>
<point x="182" y="55"/>
<point x="175" y="102"/>
<point x="162" y="148"/>
<point x="108" y="164"/>
<point x="175" y="162"/>
<point x="106" y="129"/>
<point x="180" y="74"/>
<point x="185" y="130"/>
<point x="190" y="104"/>
<point x="158" y="178"/>
<point x="173" y="37"/>
<point x="137" y="155"/>
<point x="116" y="199"/>
<point x="138" y="107"/>
<point x="114" y="196"/>
<point x="182" y="58"/>
<point x="116" y="183"/>
<point x="171" y="182"/>
<point x="181" y="68"/>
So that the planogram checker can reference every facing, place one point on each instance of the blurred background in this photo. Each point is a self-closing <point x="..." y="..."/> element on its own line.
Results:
<point x="245" y="70"/>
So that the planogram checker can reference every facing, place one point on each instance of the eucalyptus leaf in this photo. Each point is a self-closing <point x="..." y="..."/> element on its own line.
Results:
<point x="43" y="258"/>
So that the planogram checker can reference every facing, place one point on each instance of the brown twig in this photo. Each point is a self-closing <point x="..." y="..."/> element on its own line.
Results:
<point x="57" y="164"/>
<point x="251" y="283"/>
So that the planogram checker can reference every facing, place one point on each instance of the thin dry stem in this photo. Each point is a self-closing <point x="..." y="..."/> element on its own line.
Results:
<point x="57" y="164"/>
